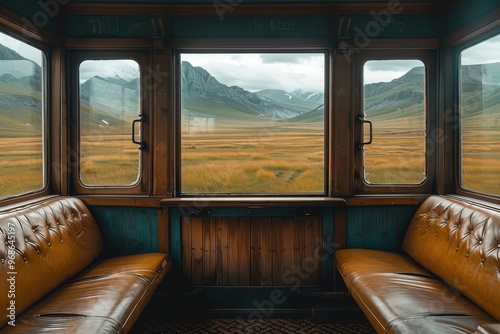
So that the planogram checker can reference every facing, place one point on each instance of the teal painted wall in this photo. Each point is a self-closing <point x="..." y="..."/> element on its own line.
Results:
<point x="378" y="227"/>
<point x="36" y="14"/>
<point x="127" y="230"/>
<point x="467" y="11"/>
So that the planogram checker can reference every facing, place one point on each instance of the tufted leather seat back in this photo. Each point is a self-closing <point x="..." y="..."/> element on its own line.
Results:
<point x="460" y="243"/>
<point x="49" y="242"/>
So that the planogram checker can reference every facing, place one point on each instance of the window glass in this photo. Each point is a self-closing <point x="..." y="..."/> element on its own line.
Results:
<point x="109" y="103"/>
<point x="480" y="117"/>
<point x="252" y="123"/>
<point x="395" y="103"/>
<point x="22" y="112"/>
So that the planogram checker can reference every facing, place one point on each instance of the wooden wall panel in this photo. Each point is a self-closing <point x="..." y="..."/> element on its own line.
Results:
<point x="251" y="251"/>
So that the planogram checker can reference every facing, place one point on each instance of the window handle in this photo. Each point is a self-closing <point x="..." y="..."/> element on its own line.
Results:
<point x="362" y="120"/>
<point x="142" y="144"/>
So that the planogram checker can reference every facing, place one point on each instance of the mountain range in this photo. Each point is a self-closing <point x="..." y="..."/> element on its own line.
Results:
<point x="200" y="89"/>
<point x="109" y="101"/>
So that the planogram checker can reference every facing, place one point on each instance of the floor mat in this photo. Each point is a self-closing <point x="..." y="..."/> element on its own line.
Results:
<point x="268" y="326"/>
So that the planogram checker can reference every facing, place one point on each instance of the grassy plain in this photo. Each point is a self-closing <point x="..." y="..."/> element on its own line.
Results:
<point x="284" y="158"/>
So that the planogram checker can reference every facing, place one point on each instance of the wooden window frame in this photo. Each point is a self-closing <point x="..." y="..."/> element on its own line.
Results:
<point x="468" y="41"/>
<point x="143" y="186"/>
<point x="428" y="57"/>
<point x="39" y="43"/>
<point x="256" y="46"/>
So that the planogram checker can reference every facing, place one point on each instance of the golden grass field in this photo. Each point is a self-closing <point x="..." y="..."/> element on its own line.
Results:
<point x="284" y="159"/>
<point x="251" y="159"/>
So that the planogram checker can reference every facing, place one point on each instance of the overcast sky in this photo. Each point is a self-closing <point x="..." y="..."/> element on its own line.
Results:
<point x="22" y="48"/>
<point x="387" y="70"/>
<point x="260" y="71"/>
<point x="254" y="71"/>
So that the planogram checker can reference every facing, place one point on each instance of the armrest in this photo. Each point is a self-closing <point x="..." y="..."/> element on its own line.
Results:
<point x="488" y="329"/>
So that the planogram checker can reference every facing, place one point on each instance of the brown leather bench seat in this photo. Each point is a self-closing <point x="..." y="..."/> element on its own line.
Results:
<point x="446" y="280"/>
<point x="60" y="285"/>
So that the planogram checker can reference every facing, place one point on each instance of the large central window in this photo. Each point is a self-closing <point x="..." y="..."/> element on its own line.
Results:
<point x="252" y="123"/>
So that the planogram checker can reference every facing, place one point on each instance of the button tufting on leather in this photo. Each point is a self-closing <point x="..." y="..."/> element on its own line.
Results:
<point x="482" y="260"/>
<point x="3" y="261"/>
<point x="480" y="242"/>
<point x="467" y="255"/>
<point x="456" y="248"/>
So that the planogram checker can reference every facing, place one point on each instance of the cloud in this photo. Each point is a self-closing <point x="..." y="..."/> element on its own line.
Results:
<point x="388" y="70"/>
<point x="285" y="59"/>
<point x="482" y="53"/>
<point x="25" y="50"/>
<point x="254" y="71"/>
<point x="124" y="68"/>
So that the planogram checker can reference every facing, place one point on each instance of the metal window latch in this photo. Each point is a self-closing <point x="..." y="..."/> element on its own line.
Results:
<point x="142" y="144"/>
<point x="362" y="120"/>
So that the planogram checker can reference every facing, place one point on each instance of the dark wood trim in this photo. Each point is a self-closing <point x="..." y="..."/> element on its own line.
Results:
<point x="58" y="148"/>
<point x="252" y="202"/>
<point x="402" y="44"/>
<point x="146" y="202"/>
<point x="385" y="200"/>
<point x="341" y="98"/>
<point x="109" y="43"/>
<point x="249" y="43"/>
<point x="161" y="79"/>
<point x="163" y="231"/>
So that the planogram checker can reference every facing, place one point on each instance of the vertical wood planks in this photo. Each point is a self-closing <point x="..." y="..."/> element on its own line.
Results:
<point x="251" y="251"/>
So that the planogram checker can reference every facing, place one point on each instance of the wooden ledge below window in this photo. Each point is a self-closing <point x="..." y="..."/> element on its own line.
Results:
<point x="252" y="202"/>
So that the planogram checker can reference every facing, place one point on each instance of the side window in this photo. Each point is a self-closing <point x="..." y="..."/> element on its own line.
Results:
<point x="394" y="102"/>
<point x="109" y="102"/>
<point x="110" y="120"/>
<point x="480" y="117"/>
<point x="22" y="117"/>
<point x="395" y="144"/>
<point x="252" y="123"/>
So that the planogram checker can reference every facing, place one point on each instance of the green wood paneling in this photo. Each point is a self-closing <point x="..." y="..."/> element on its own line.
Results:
<point x="113" y="26"/>
<point x="382" y="24"/>
<point x="378" y="227"/>
<point x="127" y="230"/>
<point x="220" y="26"/>
<point x="466" y="11"/>
<point x="36" y="14"/>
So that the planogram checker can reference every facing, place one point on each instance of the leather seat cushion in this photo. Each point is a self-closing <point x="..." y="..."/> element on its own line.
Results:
<point x="353" y="262"/>
<point x="409" y="303"/>
<point x="107" y="298"/>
